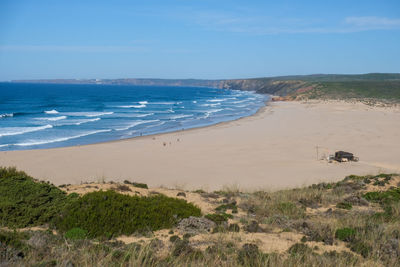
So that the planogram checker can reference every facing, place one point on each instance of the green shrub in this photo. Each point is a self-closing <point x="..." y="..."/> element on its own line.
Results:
<point x="345" y="234"/>
<point x="174" y="238"/>
<point x="250" y="255"/>
<point x="384" y="197"/>
<point x="218" y="218"/>
<point x="299" y="249"/>
<point x="225" y="207"/>
<point x="344" y="205"/>
<point x="76" y="233"/>
<point x="139" y="185"/>
<point x="110" y="214"/>
<point x="27" y="202"/>
<point x="13" y="239"/>
<point x="199" y="191"/>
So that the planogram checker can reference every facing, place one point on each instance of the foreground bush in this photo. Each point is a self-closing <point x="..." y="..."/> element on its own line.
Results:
<point x="111" y="214"/>
<point x="27" y="202"/>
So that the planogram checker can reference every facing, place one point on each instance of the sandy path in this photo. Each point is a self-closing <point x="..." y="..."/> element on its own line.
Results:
<point x="274" y="149"/>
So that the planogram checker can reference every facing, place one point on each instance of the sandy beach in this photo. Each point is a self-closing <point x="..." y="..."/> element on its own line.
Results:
<point x="274" y="149"/>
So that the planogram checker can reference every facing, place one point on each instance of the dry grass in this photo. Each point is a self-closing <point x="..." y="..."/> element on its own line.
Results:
<point x="295" y="227"/>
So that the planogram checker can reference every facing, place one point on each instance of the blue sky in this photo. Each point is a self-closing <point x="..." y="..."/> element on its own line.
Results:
<point x="196" y="39"/>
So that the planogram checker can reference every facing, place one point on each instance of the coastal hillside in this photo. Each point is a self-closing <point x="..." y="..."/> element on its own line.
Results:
<point x="378" y="86"/>
<point x="353" y="222"/>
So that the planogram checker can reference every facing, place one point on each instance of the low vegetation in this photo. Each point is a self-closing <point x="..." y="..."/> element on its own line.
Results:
<point x="354" y="222"/>
<point x="111" y="214"/>
<point x="26" y="202"/>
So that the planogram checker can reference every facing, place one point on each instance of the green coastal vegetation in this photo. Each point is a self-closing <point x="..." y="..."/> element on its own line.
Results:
<point x="353" y="222"/>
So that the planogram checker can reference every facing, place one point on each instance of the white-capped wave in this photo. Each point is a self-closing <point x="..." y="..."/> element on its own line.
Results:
<point x="78" y="122"/>
<point x="133" y="124"/>
<point x="133" y="106"/>
<point x="180" y="117"/>
<point x="211" y="105"/>
<point x="6" y="115"/>
<point x="7" y="131"/>
<point x="162" y="103"/>
<point x="208" y="113"/>
<point x="53" y="111"/>
<point x="194" y="102"/>
<point x="87" y="114"/>
<point x="62" y="139"/>
<point x="143" y="102"/>
<point x="216" y="100"/>
<point x="52" y="118"/>
<point x="240" y="101"/>
<point x="155" y="125"/>
<point x="143" y="115"/>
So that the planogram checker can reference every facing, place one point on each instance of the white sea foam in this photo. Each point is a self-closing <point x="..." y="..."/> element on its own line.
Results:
<point x="6" y="115"/>
<point x="216" y="100"/>
<point x="87" y="114"/>
<point x="78" y="122"/>
<point x="133" y="106"/>
<point x="62" y="139"/>
<point x="7" y="131"/>
<point x="180" y="117"/>
<point x="194" y="102"/>
<point x="162" y="103"/>
<point x="133" y="124"/>
<point x="143" y="115"/>
<point x="143" y="102"/>
<point x="52" y="118"/>
<point x="53" y="111"/>
<point x="240" y="101"/>
<point x="210" y="105"/>
<point x="208" y="113"/>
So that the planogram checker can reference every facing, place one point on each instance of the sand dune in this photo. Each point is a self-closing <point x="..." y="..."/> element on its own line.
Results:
<point x="275" y="148"/>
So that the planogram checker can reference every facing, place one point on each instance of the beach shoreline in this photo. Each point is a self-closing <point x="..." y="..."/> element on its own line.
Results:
<point x="273" y="149"/>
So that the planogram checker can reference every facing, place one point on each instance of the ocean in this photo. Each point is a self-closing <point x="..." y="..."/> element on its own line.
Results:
<point x="36" y="116"/>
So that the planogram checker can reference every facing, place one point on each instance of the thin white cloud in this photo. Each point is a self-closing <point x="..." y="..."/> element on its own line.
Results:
<point x="263" y="25"/>
<point x="373" y="23"/>
<point x="66" y="48"/>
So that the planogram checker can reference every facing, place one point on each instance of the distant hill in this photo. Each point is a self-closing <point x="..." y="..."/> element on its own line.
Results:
<point x="382" y="86"/>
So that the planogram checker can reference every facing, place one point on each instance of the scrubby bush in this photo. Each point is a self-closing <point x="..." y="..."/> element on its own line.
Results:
<point x="109" y="213"/>
<point x="225" y="207"/>
<point x="299" y="249"/>
<point x="76" y="233"/>
<point x="174" y="238"/>
<point x="218" y="218"/>
<point x="344" y="205"/>
<point x="139" y="185"/>
<point x="384" y="197"/>
<point x="122" y="188"/>
<point x="14" y="239"/>
<point x="345" y="234"/>
<point x="28" y="202"/>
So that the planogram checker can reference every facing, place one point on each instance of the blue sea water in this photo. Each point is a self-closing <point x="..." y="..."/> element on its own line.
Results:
<point x="34" y="116"/>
